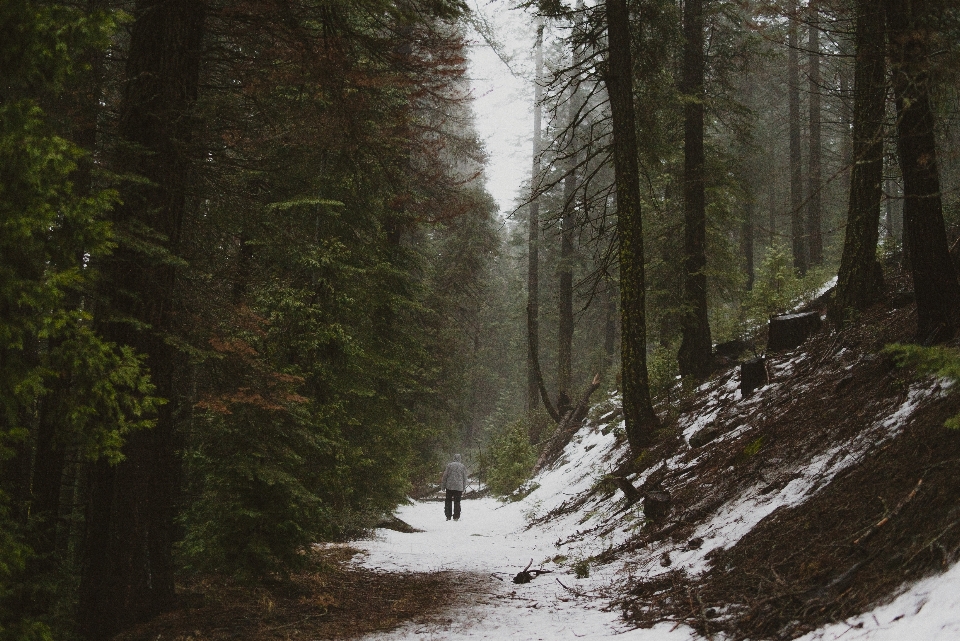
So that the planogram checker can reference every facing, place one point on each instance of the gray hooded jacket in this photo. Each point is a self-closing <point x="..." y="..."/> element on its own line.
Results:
<point x="455" y="476"/>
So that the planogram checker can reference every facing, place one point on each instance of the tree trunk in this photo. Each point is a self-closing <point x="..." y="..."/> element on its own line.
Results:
<point x="934" y="279"/>
<point x="856" y="281"/>
<point x="772" y="212"/>
<point x="49" y="462"/>
<point x="127" y="572"/>
<point x="567" y="221"/>
<point x="889" y="187"/>
<point x="695" y="357"/>
<point x="797" y="227"/>
<point x="610" y="328"/>
<point x="814" y="179"/>
<point x="533" y="246"/>
<point x="748" y="241"/>
<point x="641" y="421"/>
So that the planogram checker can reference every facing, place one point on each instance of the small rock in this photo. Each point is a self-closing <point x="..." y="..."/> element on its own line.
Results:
<point x="665" y="560"/>
<point x="704" y="436"/>
<point x="656" y="504"/>
<point x="695" y="543"/>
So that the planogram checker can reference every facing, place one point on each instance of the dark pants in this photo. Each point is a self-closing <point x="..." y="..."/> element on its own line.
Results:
<point x="453" y="500"/>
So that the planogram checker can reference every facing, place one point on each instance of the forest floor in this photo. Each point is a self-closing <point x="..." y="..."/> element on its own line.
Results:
<point x="826" y="505"/>
<point x="332" y="598"/>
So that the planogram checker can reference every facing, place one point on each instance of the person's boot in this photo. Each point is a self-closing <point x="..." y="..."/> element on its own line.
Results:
<point x="448" y="518"/>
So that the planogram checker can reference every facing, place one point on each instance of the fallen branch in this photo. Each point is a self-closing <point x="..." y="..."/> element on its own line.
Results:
<point x="526" y="575"/>
<point x="567" y="428"/>
<point x="631" y="493"/>
<point x="886" y="519"/>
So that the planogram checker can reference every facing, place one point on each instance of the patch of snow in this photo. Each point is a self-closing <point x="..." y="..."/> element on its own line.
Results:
<point x="928" y="610"/>
<point x="494" y="538"/>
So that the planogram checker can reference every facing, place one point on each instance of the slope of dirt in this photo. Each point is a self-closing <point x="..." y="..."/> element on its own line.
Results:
<point x="831" y="488"/>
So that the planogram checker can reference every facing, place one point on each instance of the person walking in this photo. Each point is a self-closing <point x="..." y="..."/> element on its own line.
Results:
<point x="454" y="481"/>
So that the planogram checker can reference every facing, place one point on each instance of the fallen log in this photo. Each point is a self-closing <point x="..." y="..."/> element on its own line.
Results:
<point x="553" y="446"/>
<point x="631" y="493"/>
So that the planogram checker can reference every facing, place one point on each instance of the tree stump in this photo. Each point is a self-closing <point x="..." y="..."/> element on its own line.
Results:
<point x="631" y="493"/>
<point x="753" y="374"/>
<point x="656" y="504"/>
<point x="790" y="330"/>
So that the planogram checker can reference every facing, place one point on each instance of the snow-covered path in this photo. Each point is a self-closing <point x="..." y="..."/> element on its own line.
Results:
<point x="490" y="537"/>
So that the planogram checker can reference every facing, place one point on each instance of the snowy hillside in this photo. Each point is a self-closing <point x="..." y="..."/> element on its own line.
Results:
<point x="821" y="506"/>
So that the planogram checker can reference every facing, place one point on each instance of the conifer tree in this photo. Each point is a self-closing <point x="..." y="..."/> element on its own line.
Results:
<point x="857" y="281"/>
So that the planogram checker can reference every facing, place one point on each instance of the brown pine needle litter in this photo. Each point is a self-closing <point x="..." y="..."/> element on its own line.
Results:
<point x="332" y="599"/>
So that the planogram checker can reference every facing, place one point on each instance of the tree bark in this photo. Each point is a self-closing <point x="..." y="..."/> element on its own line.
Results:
<point x="856" y="282"/>
<point x="797" y="226"/>
<point x="641" y="420"/>
<point x="567" y="222"/>
<point x="695" y="357"/>
<point x="610" y="328"/>
<point x="934" y="279"/>
<point x="814" y="178"/>
<point x="748" y="241"/>
<point x="127" y="570"/>
<point x="533" y="246"/>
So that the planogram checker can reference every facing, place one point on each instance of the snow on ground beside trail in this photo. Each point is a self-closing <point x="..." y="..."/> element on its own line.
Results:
<point x="493" y="537"/>
<point x="928" y="610"/>
<point x="490" y="537"/>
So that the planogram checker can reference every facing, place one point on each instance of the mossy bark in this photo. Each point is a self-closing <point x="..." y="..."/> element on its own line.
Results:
<point x="641" y="421"/>
<point x="695" y="357"/>
<point x="857" y="284"/>
<point x="934" y="278"/>
<point x="128" y="569"/>
<point x="798" y="228"/>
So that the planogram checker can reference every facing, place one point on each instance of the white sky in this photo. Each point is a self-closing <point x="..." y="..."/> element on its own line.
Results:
<point x="503" y="102"/>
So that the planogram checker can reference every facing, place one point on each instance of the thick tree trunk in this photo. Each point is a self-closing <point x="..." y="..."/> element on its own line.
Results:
<point x="533" y="244"/>
<point x="127" y="573"/>
<point x="934" y="279"/>
<point x="856" y="282"/>
<point x="814" y="179"/>
<point x="846" y="136"/>
<point x="610" y="328"/>
<point x="797" y="227"/>
<point x="695" y="357"/>
<point x="641" y="421"/>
